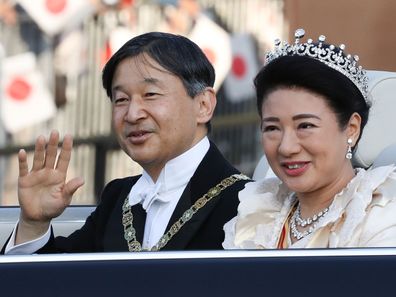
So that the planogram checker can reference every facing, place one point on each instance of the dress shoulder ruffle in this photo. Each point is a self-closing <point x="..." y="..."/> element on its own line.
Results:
<point x="265" y="205"/>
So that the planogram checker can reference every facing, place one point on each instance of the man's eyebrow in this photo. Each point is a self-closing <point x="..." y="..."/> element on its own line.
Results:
<point x="147" y="80"/>
<point x="116" y="88"/>
<point x="151" y="80"/>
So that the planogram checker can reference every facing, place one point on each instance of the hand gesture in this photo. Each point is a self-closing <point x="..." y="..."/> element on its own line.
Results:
<point x="43" y="192"/>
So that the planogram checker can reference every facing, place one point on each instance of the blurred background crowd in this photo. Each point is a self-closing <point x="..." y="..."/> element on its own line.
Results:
<point x="52" y="53"/>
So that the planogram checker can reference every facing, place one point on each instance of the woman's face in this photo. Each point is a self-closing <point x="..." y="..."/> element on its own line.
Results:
<point x="303" y="141"/>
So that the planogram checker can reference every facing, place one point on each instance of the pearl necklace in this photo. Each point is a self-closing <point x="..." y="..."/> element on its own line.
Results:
<point x="311" y="222"/>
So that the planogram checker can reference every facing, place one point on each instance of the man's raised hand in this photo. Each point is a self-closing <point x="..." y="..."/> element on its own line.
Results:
<point x="43" y="192"/>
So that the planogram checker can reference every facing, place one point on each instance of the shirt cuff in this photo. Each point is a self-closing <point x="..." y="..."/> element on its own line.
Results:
<point x="28" y="247"/>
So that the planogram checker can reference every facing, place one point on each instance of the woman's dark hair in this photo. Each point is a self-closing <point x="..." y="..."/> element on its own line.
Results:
<point x="177" y="54"/>
<point x="343" y="97"/>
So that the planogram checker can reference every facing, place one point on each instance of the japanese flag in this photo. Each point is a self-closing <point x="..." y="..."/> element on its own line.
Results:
<point x="55" y="16"/>
<point x="238" y="84"/>
<point x="25" y="99"/>
<point x="117" y="38"/>
<point x="216" y="44"/>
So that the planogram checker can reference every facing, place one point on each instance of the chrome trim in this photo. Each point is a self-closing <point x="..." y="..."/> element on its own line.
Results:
<point x="199" y="255"/>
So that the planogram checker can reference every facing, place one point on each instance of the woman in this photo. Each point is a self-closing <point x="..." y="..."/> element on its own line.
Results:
<point x="313" y="104"/>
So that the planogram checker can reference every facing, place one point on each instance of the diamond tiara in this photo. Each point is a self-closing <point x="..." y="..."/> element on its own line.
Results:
<point x="329" y="55"/>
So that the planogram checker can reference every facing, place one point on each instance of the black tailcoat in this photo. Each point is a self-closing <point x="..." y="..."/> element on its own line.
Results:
<point x="103" y="230"/>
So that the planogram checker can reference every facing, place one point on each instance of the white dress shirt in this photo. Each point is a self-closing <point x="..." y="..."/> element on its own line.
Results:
<point x="159" y="199"/>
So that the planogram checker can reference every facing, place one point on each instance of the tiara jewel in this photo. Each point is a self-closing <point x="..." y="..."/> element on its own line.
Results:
<point x="329" y="55"/>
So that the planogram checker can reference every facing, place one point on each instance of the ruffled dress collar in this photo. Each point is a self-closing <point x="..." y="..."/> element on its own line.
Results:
<point x="265" y="206"/>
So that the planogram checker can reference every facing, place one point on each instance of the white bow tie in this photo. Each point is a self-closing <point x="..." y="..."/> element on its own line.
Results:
<point x="149" y="195"/>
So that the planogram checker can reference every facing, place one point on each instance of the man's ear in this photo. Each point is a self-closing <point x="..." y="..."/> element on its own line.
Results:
<point x="353" y="128"/>
<point x="206" y="103"/>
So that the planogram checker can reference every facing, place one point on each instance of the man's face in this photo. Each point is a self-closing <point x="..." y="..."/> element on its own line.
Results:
<point x="154" y="118"/>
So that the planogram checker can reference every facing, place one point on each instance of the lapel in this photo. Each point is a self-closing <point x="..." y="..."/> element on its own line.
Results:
<point x="213" y="169"/>
<point x="114" y="235"/>
<point x="139" y="220"/>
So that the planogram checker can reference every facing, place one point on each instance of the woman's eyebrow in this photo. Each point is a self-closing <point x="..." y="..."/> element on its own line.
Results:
<point x="305" y="116"/>
<point x="270" y="119"/>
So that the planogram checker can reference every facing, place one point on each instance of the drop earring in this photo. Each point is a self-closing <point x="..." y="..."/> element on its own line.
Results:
<point x="349" y="152"/>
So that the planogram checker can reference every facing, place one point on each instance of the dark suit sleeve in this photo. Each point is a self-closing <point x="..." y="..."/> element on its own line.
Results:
<point x="90" y="237"/>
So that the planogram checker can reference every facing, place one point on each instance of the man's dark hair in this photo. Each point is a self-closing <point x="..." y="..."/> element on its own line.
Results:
<point x="177" y="54"/>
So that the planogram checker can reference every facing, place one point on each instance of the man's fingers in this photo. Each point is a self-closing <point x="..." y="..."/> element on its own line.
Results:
<point x="72" y="186"/>
<point x="65" y="154"/>
<point x="46" y="156"/>
<point x="23" y="165"/>
<point x="52" y="149"/>
<point x="39" y="152"/>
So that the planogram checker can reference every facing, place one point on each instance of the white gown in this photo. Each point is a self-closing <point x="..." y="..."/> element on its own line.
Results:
<point x="363" y="214"/>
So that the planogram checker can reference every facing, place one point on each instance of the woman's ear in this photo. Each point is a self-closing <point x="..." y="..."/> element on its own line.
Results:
<point x="353" y="127"/>
<point x="206" y="103"/>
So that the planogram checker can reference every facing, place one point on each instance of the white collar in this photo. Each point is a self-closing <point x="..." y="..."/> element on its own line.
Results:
<point x="175" y="174"/>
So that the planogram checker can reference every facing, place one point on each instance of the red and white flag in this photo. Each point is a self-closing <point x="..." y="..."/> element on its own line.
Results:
<point x="238" y="85"/>
<point x="55" y="16"/>
<point x="25" y="99"/>
<point x="216" y="44"/>
<point x="117" y="38"/>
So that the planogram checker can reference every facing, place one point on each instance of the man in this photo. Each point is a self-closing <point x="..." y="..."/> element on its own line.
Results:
<point x="160" y="86"/>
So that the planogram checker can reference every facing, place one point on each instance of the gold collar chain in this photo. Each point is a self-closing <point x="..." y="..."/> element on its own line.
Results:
<point x="127" y="216"/>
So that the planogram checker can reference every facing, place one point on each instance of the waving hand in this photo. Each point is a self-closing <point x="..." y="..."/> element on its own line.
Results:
<point x="43" y="192"/>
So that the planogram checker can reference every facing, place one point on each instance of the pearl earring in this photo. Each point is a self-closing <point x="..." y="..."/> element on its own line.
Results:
<point x="349" y="152"/>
